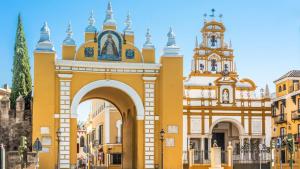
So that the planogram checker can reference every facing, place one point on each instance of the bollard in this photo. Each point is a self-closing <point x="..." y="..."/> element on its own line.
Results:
<point x="2" y="156"/>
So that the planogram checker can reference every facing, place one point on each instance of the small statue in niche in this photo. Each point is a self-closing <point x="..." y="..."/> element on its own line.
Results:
<point x="213" y="65"/>
<point x="201" y="67"/>
<point x="225" y="96"/>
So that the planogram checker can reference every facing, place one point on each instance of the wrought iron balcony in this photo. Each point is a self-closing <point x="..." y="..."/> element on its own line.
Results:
<point x="280" y="118"/>
<point x="296" y="115"/>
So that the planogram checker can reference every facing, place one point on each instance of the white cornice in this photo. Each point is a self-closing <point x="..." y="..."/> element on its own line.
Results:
<point x="124" y="65"/>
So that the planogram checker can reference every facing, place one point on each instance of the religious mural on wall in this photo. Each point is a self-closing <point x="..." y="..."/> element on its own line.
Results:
<point x="109" y="46"/>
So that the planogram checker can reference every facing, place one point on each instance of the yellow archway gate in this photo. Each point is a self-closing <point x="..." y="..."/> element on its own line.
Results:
<point x="108" y="65"/>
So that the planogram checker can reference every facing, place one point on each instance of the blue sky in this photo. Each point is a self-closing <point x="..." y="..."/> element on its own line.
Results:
<point x="265" y="33"/>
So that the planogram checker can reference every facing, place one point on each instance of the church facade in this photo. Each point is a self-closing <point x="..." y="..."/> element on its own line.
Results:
<point x="109" y="66"/>
<point x="219" y="106"/>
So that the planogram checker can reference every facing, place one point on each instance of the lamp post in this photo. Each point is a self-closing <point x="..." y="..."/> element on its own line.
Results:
<point x="58" y="134"/>
<point x="162" y="133"/>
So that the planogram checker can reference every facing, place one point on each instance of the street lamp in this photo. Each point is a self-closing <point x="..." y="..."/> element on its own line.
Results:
<point x="58" y="134"/>
<point x="162" y="133"/>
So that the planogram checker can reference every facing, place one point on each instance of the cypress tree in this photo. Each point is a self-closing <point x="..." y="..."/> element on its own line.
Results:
<point x="21" y="82"/>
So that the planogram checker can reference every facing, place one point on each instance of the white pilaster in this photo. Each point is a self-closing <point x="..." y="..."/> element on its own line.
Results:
<point x="149" y="102"/>
<point x="107" y="125"/>
<point x="65" y="115"/>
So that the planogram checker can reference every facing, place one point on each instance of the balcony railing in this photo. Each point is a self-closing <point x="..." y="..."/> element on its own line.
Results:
<point x="280" y="118"/>
<point x="296" y="115"/>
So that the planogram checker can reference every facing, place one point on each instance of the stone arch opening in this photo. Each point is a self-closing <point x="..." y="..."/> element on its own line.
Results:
<point x="225" y="131"/>
<point x="128" y="104"/>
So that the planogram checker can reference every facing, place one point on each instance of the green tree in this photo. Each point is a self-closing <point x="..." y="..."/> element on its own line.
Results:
<point x="21" y="82"/>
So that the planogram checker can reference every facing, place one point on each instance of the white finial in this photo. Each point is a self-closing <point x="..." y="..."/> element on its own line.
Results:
<point x="69" y="30"/>
<point x="148" y="44"/>
<point x="92" y="19"/>
<point x="196" y="42"/>
<point x="45" y="44"/>
<point x="91" y="27"/>
<point x="267" y="91"/>
<point x="45" y="33"/>
<point x="109" y="18"/>
<point x="128" y="23"/>
<point x="69" y="40"/>
<point x="262" y="94"/>
<point x="171" y="38"/>
<point x="171" y="48"/>
<point x="235" y="68"/>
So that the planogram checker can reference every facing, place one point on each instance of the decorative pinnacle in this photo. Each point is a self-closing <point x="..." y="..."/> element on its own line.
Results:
<point x="109" y="19"/>
<point x="148" y="43"/>
<point x="171" y="48"/>
<point x="69" y="40"/>
<point x="128" y="23"/>
<point x="69" y="30"/>
<point x="45" y="44"/>
<point x="267" y="91"/>
<point x="91" y="27"/>
<point x="92" y="19"/>
<point x="171" y="38"/>
<point x="45" y="28"/>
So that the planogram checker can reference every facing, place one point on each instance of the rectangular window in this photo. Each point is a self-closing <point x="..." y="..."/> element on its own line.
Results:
<point x="279" y="89"/>
<point x="282" y="132"/>
<point x="100" y="134"/>
<point x="116" y="159"/>
<point x="281" y="109"/>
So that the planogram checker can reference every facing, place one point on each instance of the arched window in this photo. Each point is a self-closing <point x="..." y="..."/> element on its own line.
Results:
<point x="81" y="141"/>
<point x="284" y="87"/>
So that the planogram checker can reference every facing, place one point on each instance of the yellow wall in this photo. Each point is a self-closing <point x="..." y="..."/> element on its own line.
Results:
<point x="170" y="107"/>
<point x="291" y="125"/>
<point x="45" y="104"/>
